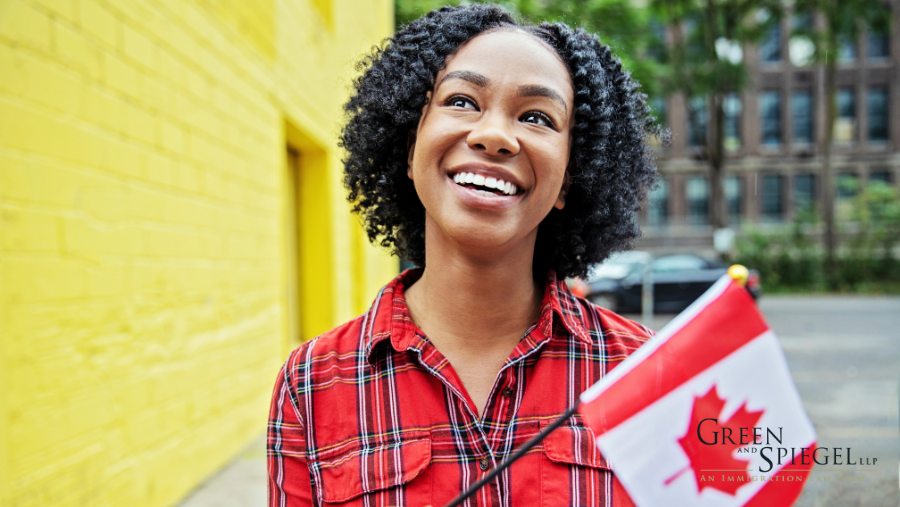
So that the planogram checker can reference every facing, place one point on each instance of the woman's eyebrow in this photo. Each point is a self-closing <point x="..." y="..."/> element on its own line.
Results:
<point x="542" y="91"/>
<point x="467" y="75"/>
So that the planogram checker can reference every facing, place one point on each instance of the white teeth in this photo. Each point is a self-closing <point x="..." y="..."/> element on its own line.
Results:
<point x="483" y="181"/>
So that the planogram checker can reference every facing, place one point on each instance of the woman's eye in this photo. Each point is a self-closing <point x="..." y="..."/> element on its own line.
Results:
<point x="538" y="119"/>
<point x="463" y="102"/>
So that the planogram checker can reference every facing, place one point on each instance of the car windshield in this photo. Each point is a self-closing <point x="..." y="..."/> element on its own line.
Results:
<point x="678" y="263"/>
<point x="619" y="266"/>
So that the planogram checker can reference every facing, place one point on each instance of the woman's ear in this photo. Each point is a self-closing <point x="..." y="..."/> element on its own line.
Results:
<point x="561" y="199"/>
<point x="410" y="149"/>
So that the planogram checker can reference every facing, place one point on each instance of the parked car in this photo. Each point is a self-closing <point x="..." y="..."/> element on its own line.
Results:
<point x="678" y="280"/>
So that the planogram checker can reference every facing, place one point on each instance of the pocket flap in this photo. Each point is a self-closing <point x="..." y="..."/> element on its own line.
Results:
<point x="574" y="445"/>
<point x="363" y="470"/>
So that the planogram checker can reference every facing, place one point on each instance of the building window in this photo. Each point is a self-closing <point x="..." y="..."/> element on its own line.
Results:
<point x="658" y="110"/>
<point x="804" y="191"/>
<point x="845" y="123"/>
<point x="847" y="50"/>
<point x="658" y="209"/>
<point x="697" y="193"/>
<point x="880" y="176"/>
<point x="770" y="113"/>
<point x="656" y="45"/>
<point x="801" y="49"/>
<point x="732" y="107"/>
<point x="877" y="45"/>
<point x="772" y="197"/>
<point x="733" y="197"/>
<point x="802" y="21"/>
<point x="847" y="185"/>
<point x="699" y="119"/>
<point x="802" y="116"/>
<point x="877" y="110"/>
<point x="770" y="49"/>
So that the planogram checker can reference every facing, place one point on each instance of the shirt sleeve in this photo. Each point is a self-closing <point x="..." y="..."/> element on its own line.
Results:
<point x="289" y="482"/>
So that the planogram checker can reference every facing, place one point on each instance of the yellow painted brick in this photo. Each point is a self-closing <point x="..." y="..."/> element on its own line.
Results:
<point x="29" y="231"/>
<point x="106" y="200"/>
<point x="139" y="47"/>
<point x="43" y="279"/>
<point x="156" y="95"/>
<point x="200" y="150"/>
<point x="37" y="132"/>
<point x="146" y="203"/>
<point x="172" y="137"/>
<point x="187" y="177"/>
<point x="101" y="107"/>
<point x="108" y="279"/>
<point x="27" y="180"/>
<point x="198" y="85"/>
<point x="139" y="124"/>
<point x="125" y="158"/>
<point x="98" y="21"/>
<point x="159" y="169"/>
<point x="121" y="75"/>
<point x="147" y="278"/>
<point x="48" y="84"/>
<point x="77" y="52"/>
<point x="12" y="64"/>
<point x="24" y="24"/>
<point x="62" y="8"/>
<point x="171" y="68"/>
<point x="90" y="237"/>
<point x="237" y="262"/>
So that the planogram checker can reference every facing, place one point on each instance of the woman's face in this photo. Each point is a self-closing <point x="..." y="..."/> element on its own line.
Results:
<point x="501" y="110"/>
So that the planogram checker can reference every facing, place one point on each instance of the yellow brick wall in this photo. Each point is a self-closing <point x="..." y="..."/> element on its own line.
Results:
<point x="160" y="251"/>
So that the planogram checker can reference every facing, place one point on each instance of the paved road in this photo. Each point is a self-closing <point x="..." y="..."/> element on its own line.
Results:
<point x="844" y="354"/>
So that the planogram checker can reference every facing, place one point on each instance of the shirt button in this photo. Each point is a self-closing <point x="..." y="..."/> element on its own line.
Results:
<point x="484" y="464"/>
<point x="506" y="392"/>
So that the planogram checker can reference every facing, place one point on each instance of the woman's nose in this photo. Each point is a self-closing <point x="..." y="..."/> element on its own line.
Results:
<point x="492" y="134"/>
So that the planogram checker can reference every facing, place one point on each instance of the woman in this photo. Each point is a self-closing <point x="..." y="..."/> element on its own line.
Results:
<point x="500" y="158"/>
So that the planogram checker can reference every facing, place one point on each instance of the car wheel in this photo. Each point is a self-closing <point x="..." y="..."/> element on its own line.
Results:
<point x="605" y="300"/>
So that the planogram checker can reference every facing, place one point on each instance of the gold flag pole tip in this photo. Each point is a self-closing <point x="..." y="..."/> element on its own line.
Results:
<point x="739" y="274"/>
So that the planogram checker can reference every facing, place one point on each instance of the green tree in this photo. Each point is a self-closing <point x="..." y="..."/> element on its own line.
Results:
<point x="626" y="28"/>
<point x="704" y="56"/>
<point x="840" y="20"/>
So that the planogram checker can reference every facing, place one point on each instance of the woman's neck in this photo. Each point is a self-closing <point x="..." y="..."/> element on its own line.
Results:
<point x="472" y="299"/>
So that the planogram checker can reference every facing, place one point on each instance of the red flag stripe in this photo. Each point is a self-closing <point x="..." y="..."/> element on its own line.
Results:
<point x="780" y="491"/>
<point x="734" y="320"/>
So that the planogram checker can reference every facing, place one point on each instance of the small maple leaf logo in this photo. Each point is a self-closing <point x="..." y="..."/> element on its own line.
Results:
<point x="711" y="460"/>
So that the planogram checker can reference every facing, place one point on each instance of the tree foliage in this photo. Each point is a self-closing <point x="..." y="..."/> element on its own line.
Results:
<point x="627" y="29"/>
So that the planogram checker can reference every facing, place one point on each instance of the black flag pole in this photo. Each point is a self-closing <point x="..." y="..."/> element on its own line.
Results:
<point x="535" y="440"/>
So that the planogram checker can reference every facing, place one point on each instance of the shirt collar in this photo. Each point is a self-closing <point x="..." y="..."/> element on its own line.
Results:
<point x="388" y="317"/>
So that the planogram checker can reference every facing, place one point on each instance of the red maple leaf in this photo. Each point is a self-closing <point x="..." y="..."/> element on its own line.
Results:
<point x="715" y="463"/>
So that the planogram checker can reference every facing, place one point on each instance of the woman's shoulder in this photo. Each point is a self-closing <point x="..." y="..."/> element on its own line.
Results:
<point x="620" y="335"/>
<point x="341" y="343"/>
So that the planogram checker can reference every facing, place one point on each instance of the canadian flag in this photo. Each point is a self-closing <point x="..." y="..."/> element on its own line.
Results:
<point x="706" y="412"/>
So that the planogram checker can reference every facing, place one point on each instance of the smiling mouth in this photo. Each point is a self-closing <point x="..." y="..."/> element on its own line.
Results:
<point x="484" y="185"/>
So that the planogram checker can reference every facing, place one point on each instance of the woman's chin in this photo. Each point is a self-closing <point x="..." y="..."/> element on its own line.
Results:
<point x="482" y="239"/>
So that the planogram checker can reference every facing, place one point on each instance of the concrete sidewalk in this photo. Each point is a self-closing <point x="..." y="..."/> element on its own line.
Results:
<point x="242" y="483"/>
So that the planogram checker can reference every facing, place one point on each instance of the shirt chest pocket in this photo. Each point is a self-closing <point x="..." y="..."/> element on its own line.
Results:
<point x="378" y="474"/>
<point x="573" y="469"/>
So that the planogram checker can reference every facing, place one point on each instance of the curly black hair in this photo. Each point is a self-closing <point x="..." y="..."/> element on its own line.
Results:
<point x="611" y="166"/>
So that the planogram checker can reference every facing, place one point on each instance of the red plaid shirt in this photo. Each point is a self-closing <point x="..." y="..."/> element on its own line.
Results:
<point x="372" y="414"/>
